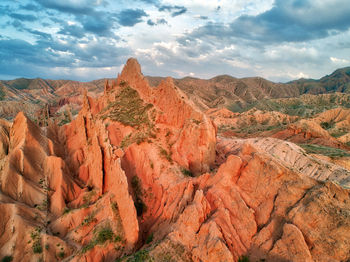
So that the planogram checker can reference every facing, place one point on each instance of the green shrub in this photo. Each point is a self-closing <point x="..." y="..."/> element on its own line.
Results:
<point x="326" y="125"/>
<point x="187" y="172"/>
<point x="104" y="234"/>
<point x="149" y="238"/>
<point x="66" y="210"/>
<point x="243" y="259"/>
<point x="7" y="259"/>
<point x="61" y="254"/>
<point x="100" y="237"/>
<point x="37" y="248"/>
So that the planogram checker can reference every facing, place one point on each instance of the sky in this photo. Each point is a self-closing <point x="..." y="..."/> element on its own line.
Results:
<point x="279" y="40"/>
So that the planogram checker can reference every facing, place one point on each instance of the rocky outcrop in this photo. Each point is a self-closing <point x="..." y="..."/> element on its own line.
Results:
<point x="290" y="156"/>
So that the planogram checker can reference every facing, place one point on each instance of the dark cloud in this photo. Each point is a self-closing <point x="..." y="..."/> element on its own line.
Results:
<point x="21" y="27"/>
<point x="100" y="24"/>
<point x="180" y="12"/>
<point x="39" y="33"/>
<point x="150" y="22"/>
<point x="18" y="57"/>
<point x="161" y="21"/>
<point x="287" y="21"/>
<point x="72" y="30"/>
<point x="175" y="10"/>
<point x="23" y="17"/>
<point x="130" y="17"/>
<point x="69" y="6"/>
<point x="30" y="7"/>
<point x="294" y="21"/>
<point x="150" y="1"/>
<point x="92" y="21"/>
<point x="202" y="17"/>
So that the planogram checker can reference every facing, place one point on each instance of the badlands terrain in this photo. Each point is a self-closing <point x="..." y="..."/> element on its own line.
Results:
<point x="159" y="169"/>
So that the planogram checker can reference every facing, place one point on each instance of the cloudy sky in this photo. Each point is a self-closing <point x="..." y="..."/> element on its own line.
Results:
<point x="90" y="39"/>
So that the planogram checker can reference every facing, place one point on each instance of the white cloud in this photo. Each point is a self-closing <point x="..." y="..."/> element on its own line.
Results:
<point x="339" y="61"/>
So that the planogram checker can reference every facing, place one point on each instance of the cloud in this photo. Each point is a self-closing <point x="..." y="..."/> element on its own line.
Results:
<point x="160" y="21"/>
<point x="72" y="30"/>
<point x="175" y="10"/>
<point x="100" y="24"/>
<point x="286" y="21"/>
<point x="150" y="22"/>
<point x="202" y="17"/>
<point x="130" y="17"/>
<point x="150" y="1"/>
<point x="69" y="6"/>
<point x="295" y="21"/>
<point x="30" y="7"/>
<point x="21" y="58"/>
<point x="23" y="17"/>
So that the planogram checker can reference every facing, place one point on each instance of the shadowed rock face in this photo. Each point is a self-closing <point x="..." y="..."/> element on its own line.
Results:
<point x="140" y="175"/>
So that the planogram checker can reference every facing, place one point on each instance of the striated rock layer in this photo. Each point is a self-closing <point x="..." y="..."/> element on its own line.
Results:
<point x="139" y="175"/>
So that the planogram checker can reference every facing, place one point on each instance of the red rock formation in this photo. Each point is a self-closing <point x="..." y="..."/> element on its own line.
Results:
<point x="139" y="172"/>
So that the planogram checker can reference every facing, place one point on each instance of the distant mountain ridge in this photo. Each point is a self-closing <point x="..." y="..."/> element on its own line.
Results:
<point x="338" y="81"/>
<point x="218" y="92"/>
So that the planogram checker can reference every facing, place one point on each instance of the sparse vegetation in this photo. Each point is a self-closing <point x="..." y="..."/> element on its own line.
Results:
<point x="123" y="83"/>
<point x="165" y="154"/>
<point x="43" y="206"/>
<point x="137" y="137"/>
<point x="88" y="197"/>
<point x="100" y="237"/>
<point x="338" y="133"/>
<point x="2" y="93"/>
<point x="35" y="236"/>
<point x="252" y="129"/>
<point x="128" y="109"/>
<point x="114" y="207"/>
<point x="303" y="106"/>
<point x="324" y="150"/>
<point x="87" y="220"/>
<point x="187" y="172"/>
<point x="140" y="256"/>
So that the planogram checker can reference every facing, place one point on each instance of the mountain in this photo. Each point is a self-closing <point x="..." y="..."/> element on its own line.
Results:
<point x="142" y="173"/>
<point x="338" y="81"/>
